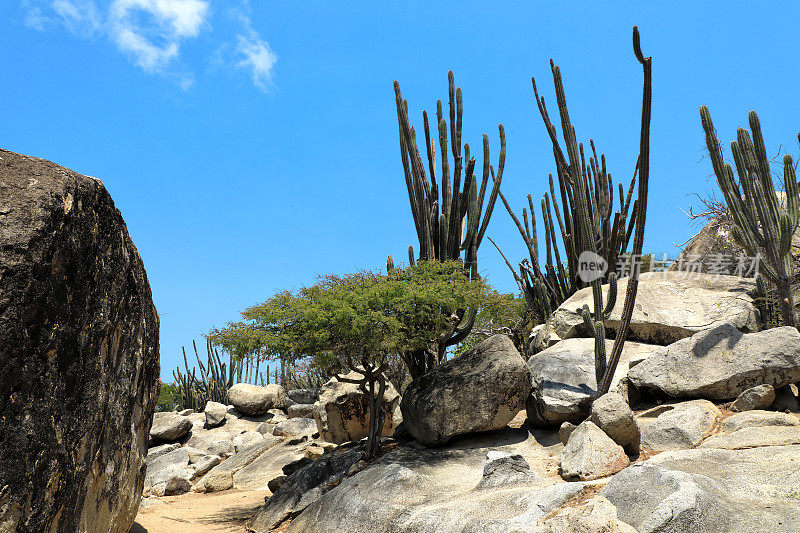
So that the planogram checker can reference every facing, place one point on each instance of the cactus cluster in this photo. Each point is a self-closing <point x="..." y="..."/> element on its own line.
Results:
<point x="586" y="218"/>
<point x="449" y="206"/>
<point x="216" y="377"/>
<point x="761" y="226"/>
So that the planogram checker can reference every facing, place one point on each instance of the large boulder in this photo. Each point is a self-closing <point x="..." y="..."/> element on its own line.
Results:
<point x="669" y="306"/>
<point x="721" y="363"/>
<point x="480" y="390"/>
<point x="253" y="400"/>
<point x="79" y="353"/>
<point x="170" y="428"/>
<point x="342" y="411"/>
<point x="708" y="490"/>
<point x="564" y="381"/>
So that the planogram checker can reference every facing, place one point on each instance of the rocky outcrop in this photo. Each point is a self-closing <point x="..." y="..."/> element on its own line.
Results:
<point x="418" y="490"/>
<point x="591" y="454"/>
<point x="480" y="390"/>
<point x="304" y="487"/>
<point x="342" y="411"/>
<point x="253" y="400"/>
<point x="669" y="307"/>
<point x="563" y="379"/>
<point x="221" y="476"/>
<point x="295" y="426"/>
<point x="677" y="426"/>
<point x="713" y="491"/>
<point x="721" y="363"/>
<point x="597" y="515"/>
<point x="78" y="352"/>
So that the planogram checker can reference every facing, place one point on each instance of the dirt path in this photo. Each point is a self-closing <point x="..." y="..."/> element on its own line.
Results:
<point x="224" y="512"/>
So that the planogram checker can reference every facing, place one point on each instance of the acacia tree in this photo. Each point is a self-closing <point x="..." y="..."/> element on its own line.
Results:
<point x="358" y="322"/>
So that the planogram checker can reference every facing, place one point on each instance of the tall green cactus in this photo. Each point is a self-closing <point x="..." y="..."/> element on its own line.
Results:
<point x="452" y="224"/>
<point x="583" y="225"/>
<point x="761" y="227"/>
<point x="216" y="377"/>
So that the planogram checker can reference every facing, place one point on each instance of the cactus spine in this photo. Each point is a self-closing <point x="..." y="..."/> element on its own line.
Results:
<point x="761" y="227"/>
<point x="452" y="224"/>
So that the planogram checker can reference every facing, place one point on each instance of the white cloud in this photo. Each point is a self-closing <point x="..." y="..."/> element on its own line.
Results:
<point x="255" y="55"/>
<point x="152" y="32"/>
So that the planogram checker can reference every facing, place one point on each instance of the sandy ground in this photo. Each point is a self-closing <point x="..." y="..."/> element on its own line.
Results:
<point x="225" y="511"/>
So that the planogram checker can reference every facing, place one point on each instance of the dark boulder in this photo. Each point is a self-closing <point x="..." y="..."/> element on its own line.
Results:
<point x="78" y="352"/>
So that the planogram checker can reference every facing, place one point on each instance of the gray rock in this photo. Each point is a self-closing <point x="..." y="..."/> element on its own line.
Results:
<point x="709" y="490"/>
<point x="266" y="428"/>
<point x="759" y="419"/>
<point x="758" y="397"/>
<point x="420" y="490"/>
<point x="786" y="399"/>
<point x="265" y="467"/>
<point x="754" y="437"/>
<point x="301" y="410"/>
<point x="157" y="451"/>
<point x="79" y="353"/>
<point x="611" y="414"/>
<point x="295" y="426"/>
<point x="542" y="337"/>
<point x="205" y="464"/>
<point x="342" y="411"/>
<point x="669" y="307"/>
<point x="170" y="428"/>
<point x="302" y="488"/>
<point x="186" y="412"/>
<point x="591" y="454"/>
<point x="564" y="431"/>
<point x="563" y="379"/>
<point x="221" y="476"/>
<point x="596" y="515"/>
<point x="215" y="414"/>
<point x="480" y="390"/>
<point x="721" y="363"/>
<point x="246" y="439"/>
<point x="177" y="485"/>
<point x="253" y="400"/>
<point x="503" y="469"/>
<point x="306" y="396"/>
<point x="165" y="467"/>
<point x="677" y="426"/>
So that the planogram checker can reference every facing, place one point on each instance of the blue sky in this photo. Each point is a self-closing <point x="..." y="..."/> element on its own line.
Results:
<point x="253" y="145"/>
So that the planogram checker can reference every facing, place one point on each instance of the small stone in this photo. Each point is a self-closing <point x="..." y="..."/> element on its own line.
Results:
<point x="177" y="485"/>
<point x="565" y="431"/>
<point x="301" y="410"/>
<point x="314" y="452"/>
<point x="503" y="469"/>
<point x="274" y="484"/>
<point x="759" y="397"/>
<point x="215" y="414"/>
